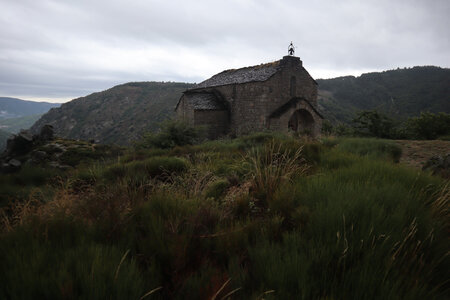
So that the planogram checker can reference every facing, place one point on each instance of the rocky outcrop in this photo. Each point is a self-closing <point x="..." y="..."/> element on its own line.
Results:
<point x="21" y="144"/>
<point x="439" y="165"/>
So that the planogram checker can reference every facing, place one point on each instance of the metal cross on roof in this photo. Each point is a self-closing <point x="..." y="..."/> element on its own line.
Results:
<point x="291" y="49"/>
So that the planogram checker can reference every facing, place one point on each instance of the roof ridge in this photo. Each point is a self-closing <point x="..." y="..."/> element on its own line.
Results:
<point x="260" y="72"/>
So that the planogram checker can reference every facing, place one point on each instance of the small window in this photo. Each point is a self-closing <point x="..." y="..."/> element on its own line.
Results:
<point x="293" y="86"/>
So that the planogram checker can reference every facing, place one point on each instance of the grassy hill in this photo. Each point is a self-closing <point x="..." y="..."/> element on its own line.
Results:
<point x="118" y="115"/>
<point x="15" y="108"/>
<point x="398" y="93"/>
<point x="262" y="216"/>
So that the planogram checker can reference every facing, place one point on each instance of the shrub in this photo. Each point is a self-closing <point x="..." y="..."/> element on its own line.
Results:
<point x="149" y="168"/>
<point x="375" y="148"/>
<point x="172" y="133"/>
<point x="217" y="188"/>
<point x="366" y="233"/>
<point x="428" y="126"/>
<point x="66" y="263"/>
<point x="373" y="123"/>
<point x="270" y="166"/>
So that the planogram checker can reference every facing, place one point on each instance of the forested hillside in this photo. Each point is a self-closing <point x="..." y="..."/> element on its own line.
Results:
<point x="398" y="93"/>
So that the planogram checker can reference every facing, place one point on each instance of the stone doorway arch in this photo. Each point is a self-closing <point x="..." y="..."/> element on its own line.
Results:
<point x="302" y="122"/>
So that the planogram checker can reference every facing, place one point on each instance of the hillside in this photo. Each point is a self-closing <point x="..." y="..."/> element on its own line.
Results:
<point x="398" y="93"/>
<point x="14" y="125"/>
<point x="264" y="216"/>
<point x="118" y="115"/>
<point x="121" y="114"/>
<point x="15" y="108"/>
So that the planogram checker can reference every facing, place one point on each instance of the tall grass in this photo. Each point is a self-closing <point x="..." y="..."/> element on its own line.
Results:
<point x="264" y="216"/>
<point x="374" y="148"/>
<point x="271" y="165"/>
<point x="368" y="234"/>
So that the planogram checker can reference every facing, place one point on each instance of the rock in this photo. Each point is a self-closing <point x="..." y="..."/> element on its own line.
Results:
<point x="15" y="163"/>
<point x="439" y="165"/>
<point x="26" y="135"/>
<point x="5" y="168"/>
<point x="11" y="166"/>
<point x="56" y="165"/>
<point x="55" y="148"/>
<point x="38" y="156"/>
<point x="46" y="133"/>
<point x="19" y="144"/>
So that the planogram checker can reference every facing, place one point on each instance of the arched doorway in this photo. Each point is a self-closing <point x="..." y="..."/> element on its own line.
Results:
<point x="302" y="122"/>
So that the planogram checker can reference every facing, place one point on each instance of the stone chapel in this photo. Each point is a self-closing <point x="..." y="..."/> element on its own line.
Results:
<point x="276" y="96"/>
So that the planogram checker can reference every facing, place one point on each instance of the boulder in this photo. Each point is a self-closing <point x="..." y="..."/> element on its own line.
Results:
<point x="38" y="156"/>
<point x="19" y="144"/>
<point x="11" y="166"/>
<point x="46" y="133"/>
<point x="439" y="165"/>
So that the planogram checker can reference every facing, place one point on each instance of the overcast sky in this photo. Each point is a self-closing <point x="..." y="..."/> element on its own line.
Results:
<point x="59" y="50"/>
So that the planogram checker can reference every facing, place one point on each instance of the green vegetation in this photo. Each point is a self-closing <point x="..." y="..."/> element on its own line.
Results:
<point x="399" y="94"/>
<point x="124" y="112"/>
<point x="14" y="125"/>
<point x="40" y="178"/>
<point x="374" y="124"/>
<point x="427" y="126"/>
<point x="263" y="216"/>
<point x="172" y="133"/>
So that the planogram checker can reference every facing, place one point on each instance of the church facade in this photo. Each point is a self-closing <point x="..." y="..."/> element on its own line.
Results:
<point x="278" y="96"/>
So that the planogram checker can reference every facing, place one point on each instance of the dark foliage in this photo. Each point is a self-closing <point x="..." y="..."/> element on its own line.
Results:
<point x="374" y="124"/>
<point x="428" y="126"/>
<point x="397" y="93"/>
<point x="172" y="133"/>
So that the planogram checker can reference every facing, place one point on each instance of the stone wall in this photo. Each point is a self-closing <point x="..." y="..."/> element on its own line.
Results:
<point x="215" y="121"/>
<point x="252" y="103"/>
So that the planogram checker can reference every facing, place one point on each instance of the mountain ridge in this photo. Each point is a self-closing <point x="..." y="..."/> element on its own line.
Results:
<point x="14" y="107"/>
<point x="122" y="114"/>
<point x="117" y="115"/>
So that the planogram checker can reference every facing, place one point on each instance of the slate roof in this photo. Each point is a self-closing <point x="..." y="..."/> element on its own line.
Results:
<point x="255" y="73"/>
<point x="205" y="101"/>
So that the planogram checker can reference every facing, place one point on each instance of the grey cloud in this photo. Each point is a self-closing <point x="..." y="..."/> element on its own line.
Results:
<point x="55" y="48"/>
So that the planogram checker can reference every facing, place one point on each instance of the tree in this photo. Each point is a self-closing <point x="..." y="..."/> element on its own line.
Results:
<point x="172" y="133"/>
<point x="373" y="123"/>
<point x="428" y="125"/>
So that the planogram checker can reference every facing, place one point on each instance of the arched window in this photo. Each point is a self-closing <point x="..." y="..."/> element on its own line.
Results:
<point x="293" y="86"/>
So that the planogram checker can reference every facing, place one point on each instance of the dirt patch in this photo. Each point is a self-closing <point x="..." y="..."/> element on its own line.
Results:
<point x="416" y="153"/>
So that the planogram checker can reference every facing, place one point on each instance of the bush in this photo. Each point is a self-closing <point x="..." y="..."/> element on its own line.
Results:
<point x="217" y="188"/>
<point x="374" y="124"/>
<point x="149" y="168"/>
<point x="271" y="165"/>
<point x="374" y="148"/>
<point x="65" y="263"/>
<point x="363" y="230"/>
<point x="172" y="133"/>
<point x="428" y="126"/>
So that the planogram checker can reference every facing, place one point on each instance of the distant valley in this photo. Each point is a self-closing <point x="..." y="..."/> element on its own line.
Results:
<point x="17" y="114"/>
<point x="15" y="108"/>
